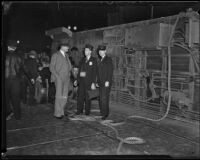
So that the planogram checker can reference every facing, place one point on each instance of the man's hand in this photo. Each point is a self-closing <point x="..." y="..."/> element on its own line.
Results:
<point x="32" y="81"/>
<point x="93" y="87"/>
<point x="82" y="74"/>
<point x="39" y="79"/>
<point x="75" y="83"/>
<point x="40" y="68"/>
<point x="106" y="84"/>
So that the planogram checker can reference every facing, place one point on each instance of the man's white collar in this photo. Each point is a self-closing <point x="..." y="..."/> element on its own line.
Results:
<point x="102" y="57"/>
<point x="63" y="53"/>
<point x="88" y="57"/>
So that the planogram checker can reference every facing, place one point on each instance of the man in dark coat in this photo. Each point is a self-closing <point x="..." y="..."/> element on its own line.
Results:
<point x="105" y="74"/>
<point x="86" y="80"/>
<point x="31" y="69"/>
<point x="31" y="66"/>
<point x="13" y="75"/>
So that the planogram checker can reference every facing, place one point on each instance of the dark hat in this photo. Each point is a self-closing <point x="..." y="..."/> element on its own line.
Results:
<point x="74" y="49"/>
<point x="32" y="52"/>
<point x="12" y="45"/>
<point x="64" y="44"/>
<point x="101" y="47"/>
<point x="89" y="46"/>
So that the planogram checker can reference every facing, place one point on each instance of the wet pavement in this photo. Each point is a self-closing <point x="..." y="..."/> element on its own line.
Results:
<point x="39" y="133"/>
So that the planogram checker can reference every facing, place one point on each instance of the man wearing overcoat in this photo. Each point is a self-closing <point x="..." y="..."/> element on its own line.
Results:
<point x="104" y="76"/>
<point x="87" y="77"/>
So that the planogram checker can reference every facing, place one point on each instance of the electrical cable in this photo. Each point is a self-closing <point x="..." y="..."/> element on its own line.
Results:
<point x="138" y="140"/>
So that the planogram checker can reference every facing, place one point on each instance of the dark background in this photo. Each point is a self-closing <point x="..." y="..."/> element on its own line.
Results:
<point x="27" y="21"/>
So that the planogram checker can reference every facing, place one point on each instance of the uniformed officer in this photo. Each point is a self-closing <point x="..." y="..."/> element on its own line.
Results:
<point x="86" y="79"/>
<point x="104" y="79"/>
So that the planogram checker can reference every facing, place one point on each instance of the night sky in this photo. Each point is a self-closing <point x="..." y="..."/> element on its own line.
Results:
<point x="27" y="22"/>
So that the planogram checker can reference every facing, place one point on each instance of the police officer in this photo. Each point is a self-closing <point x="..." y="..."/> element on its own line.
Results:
<point x="104" y="79"/>
<point x="86" y="79"/>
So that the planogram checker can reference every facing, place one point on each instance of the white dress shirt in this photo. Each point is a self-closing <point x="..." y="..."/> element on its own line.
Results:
<point x="87" y="58"/>
<point x="63" y="53"/>
<point x="103" y="58"/>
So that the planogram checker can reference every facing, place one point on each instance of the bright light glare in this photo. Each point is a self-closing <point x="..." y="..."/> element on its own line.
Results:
<point x="75" y="28"/>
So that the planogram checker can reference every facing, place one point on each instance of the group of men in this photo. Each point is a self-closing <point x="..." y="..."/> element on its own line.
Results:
<point x="91" y="75"/>
<point x="20" y="79"/>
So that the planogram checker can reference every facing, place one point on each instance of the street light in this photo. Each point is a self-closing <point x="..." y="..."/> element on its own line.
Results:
<point x="69" y="27"/>
<point x="75" y="28"/>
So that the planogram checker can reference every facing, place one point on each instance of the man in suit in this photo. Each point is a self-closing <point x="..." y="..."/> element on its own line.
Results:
<point x="86" y="79"/>
<point x="60" y="68"/>
<point x="104" y="79"/>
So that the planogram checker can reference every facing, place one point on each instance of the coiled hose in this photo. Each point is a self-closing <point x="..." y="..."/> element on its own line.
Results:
<point x="136" y="140"/>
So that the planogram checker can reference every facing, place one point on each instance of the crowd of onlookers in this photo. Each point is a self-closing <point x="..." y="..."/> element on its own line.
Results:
<point x="27" y="80"/>
<point x="37" y="77"/>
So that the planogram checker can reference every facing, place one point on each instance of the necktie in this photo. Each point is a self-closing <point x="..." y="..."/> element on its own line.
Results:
<point x="87" y="59"/>
<point x="66" y="56"/>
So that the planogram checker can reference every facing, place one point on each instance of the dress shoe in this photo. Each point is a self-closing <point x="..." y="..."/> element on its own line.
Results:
<point x="59" y="117"/>
<point x="66" y="119"/>
<point x="79" y="113"/>
<point x="104" y="117"/>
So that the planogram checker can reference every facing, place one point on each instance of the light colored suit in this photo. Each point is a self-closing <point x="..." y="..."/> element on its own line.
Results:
<point x="60" y="68"/>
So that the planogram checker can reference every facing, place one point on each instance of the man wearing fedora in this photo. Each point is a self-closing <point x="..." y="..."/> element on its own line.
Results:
<point x="13" y="76"/>
<point x="86" y="79"/>
<point x="60" y="68"/>
<point x="104" y="79"/>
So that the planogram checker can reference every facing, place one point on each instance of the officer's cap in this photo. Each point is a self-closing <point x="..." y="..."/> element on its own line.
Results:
<point x="64" y="44"/>
<point x="101" y="47"/>
<point x="89" y="46"/>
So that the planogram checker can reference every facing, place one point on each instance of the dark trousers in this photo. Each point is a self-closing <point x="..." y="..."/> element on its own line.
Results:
<point x="83" y="97"/>
<point x="52" y="92"/>
<point x="27" y="91"/>
<point x="104" y="94"/>
<point x="24" y="84"/>
<point x="12" y="92"/>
